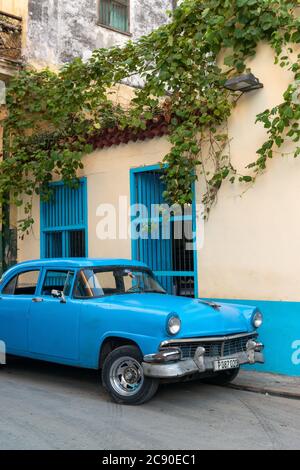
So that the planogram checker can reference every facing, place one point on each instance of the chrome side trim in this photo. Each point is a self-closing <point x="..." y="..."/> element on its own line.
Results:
<point x="206" y="339"/>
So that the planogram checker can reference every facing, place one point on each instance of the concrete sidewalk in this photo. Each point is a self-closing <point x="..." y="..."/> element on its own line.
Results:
<point x="271" y="384"/>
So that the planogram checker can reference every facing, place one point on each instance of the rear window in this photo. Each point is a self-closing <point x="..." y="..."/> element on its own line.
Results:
<point x="22" y="284"/>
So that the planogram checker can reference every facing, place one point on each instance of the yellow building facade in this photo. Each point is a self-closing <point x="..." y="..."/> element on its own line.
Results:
<point x="249" y="249"/>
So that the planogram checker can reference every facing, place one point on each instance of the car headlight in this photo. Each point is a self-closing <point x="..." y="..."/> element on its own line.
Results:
<point x="173" y="324"/>
<point x="257" y="319"/>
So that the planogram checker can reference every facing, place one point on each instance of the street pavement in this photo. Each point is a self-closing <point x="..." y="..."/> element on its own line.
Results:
<point x="45" y="406"/>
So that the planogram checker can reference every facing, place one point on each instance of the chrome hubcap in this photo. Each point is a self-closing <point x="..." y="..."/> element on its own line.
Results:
<point x="126" y="376"/>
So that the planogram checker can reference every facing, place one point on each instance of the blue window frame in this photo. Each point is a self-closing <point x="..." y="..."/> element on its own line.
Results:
<point x="175" y="266"/>
<point x="64" y="222"/>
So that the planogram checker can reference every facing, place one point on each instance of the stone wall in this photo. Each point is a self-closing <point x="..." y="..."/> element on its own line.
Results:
<point x="59" y="30"/>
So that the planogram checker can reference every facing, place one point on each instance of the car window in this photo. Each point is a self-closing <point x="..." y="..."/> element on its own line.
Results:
<point x="22" y="284"/>
<point x="98" y="282"/>
<point x="87" y="285"/>
<point x="60" y="281"/>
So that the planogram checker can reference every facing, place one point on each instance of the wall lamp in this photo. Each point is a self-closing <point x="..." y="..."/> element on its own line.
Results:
<point x="243" y="83"/>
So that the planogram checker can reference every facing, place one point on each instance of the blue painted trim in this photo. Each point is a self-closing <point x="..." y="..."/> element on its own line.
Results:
<point x="63" y="228"/>
<point x="42" y="233"/>
<point x="133" y="172"/>
<point x="132" y="202"/>
<point x="194" y="228"/>
<point x="175" y="273"/>
<point x="146" y="168"/>
<point x="86" y="215"/>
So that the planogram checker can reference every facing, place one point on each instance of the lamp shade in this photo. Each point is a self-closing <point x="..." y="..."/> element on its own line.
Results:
<point x="246" y="82"/>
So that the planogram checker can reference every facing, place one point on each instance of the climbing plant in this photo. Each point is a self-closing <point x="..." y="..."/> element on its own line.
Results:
<point x="183" y="67"/>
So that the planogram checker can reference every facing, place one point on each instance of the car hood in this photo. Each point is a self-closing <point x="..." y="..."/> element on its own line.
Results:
<point x="197" y="316"/>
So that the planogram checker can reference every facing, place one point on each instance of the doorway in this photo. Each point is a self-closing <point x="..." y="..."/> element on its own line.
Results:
<point x="164" y="239"/>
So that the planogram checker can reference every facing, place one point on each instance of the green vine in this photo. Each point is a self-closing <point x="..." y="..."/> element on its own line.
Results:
<point x="52" y="116"/>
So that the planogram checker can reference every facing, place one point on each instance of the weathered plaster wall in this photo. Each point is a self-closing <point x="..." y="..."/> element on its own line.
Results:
<point x="59" y="30"/>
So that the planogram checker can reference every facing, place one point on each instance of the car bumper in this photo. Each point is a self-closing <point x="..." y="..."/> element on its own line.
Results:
<point x="199" y="364"/>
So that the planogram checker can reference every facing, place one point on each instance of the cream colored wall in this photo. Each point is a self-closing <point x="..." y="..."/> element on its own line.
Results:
<point x="17" y="8"/>
<point x="108" y="177"/>
<point x="252" y="239"/>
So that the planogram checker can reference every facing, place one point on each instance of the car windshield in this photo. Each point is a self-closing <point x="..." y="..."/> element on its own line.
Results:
<point x="99" y="282"/>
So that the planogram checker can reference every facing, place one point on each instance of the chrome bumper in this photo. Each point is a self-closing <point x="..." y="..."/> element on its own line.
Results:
<point x="155" y="367"/>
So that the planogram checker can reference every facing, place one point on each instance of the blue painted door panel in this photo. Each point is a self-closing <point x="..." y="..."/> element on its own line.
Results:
<point x="95" y="321"/>
<point x="156" y="253"/>
<point x="54" y="328"/>
<point x="14" y="312"/>
<point x="158" y="246"/>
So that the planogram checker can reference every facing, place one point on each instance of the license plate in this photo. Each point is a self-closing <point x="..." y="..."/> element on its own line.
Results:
<point x="224" y="364"/>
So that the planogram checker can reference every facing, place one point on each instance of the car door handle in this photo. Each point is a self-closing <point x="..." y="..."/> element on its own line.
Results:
<point x="37" y="300"/>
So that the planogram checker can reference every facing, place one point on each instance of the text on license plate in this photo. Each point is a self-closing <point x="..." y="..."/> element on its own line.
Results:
<point x="224" y="364"/>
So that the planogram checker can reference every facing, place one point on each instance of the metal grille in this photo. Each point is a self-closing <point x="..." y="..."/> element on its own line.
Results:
<point x="217" y="348"/>
<point x="10" y="36"/>
<point x="77" y="243"/>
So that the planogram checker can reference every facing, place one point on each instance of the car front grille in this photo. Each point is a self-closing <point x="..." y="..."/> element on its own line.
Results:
<point x="214" y="348"/>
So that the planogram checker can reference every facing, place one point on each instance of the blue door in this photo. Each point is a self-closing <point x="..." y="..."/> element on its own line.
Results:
<point x="15" y="302"/>
<point x="54" y="323"/>
<point x="165" y="244"/>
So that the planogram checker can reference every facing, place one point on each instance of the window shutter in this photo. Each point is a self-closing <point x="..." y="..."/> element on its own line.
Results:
<point x="63" y="222"/>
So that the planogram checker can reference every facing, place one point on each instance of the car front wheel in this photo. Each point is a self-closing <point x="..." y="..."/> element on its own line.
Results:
<point x="123" y="377"/>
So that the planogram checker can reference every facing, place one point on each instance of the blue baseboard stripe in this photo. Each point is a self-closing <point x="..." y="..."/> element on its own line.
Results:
<point x="280" y="333"/>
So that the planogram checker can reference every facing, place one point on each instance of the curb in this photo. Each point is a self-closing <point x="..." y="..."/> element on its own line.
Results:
<point x="266" y="391"/>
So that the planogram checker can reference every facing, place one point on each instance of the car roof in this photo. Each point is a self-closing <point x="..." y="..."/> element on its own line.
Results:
<point x="73" y="263"/>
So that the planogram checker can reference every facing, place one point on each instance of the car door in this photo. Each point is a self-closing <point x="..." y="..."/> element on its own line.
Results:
<point x="15" y="301"/>
<point x="54" y="318"/>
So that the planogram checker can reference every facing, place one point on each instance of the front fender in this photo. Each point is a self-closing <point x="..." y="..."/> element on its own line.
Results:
<point x="147" y="344"/>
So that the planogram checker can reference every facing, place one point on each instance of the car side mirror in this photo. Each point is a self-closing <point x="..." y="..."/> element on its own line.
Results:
<point x="57" y="294"/>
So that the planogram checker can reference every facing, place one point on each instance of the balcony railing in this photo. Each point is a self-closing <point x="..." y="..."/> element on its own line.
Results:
<point x="10" y="36"/>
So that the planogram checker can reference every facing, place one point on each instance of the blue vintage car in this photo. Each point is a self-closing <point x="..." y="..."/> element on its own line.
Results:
<point x="112" y="315"/>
